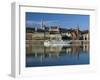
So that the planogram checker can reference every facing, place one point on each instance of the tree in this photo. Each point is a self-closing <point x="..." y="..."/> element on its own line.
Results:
<point x="66" y="38"/>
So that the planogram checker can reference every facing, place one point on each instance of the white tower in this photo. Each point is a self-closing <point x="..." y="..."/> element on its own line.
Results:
<point x="42" y="24"/>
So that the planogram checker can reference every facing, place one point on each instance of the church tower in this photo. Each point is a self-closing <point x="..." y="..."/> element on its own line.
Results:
<point x="42" y="24"/>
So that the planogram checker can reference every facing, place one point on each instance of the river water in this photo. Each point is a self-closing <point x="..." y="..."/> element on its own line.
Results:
<point x="40" y="55"/>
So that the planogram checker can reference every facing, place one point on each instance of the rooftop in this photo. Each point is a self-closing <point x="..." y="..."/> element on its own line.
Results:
<point x="59" y="30"/>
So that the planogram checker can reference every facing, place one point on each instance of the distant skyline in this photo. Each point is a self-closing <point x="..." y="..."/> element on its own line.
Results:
<point x="55" y="19"/>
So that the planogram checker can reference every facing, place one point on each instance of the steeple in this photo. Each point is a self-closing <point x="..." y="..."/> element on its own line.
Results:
<point x="42" y="24"/>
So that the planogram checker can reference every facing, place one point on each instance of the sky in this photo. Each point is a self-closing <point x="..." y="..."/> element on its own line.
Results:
<point x="54" y="19"/>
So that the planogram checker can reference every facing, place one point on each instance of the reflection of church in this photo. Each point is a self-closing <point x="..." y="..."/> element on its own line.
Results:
<point x="35" y="39"/>
<point x="56" y="51"/>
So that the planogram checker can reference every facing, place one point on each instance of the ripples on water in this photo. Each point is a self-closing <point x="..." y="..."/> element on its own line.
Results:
<point x="39" y="55"/>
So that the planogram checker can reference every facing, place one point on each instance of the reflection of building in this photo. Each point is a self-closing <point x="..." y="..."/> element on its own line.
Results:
<point x="37" y="50"/>
<point x="85" y="47"/>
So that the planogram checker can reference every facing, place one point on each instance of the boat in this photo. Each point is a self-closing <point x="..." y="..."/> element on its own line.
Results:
<point x="56" y="43"/>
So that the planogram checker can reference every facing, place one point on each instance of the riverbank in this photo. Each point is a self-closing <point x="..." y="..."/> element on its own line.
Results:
<point x="41" y="42"/>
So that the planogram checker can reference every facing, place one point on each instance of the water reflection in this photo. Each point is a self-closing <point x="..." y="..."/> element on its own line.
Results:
<point x="40" y="55"/>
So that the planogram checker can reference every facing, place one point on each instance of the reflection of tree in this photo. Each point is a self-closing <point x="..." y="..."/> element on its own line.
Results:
<point x="53" y="49"/>
<point x="85" y="47"/>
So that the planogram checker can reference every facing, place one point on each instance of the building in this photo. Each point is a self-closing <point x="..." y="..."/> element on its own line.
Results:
<point x="29" y="33"/>
<point x="56" y="33"/>
<point x="85" y="35"/>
